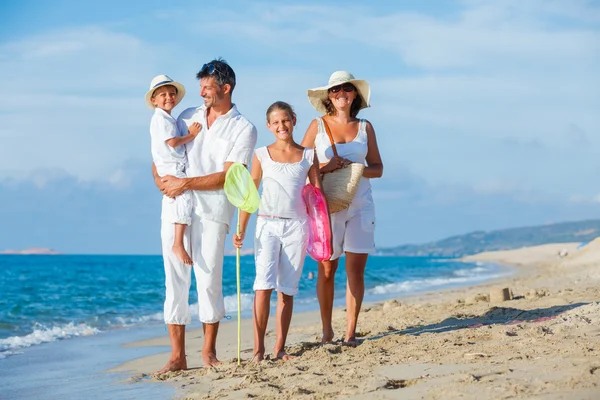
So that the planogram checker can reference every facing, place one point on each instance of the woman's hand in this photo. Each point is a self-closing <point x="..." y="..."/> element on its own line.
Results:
<point x="238" y="240"/>
<point x="171" y="186"/>
<point x="335" y="163"/>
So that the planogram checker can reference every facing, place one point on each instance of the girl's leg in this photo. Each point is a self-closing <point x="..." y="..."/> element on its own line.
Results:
<point x="355" y="291"/>
<point x="178" y="248"/>
<point x="285" y="306"/>
<point x="325" y="295"/>
<point x="260" y="311"/>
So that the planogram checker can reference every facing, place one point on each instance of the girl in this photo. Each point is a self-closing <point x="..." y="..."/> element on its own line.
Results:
<point x="281" y="227"/>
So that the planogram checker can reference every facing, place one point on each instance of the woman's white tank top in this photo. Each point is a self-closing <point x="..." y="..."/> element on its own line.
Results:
<point x="355" y="151"/>
<point x="282" y="185"/>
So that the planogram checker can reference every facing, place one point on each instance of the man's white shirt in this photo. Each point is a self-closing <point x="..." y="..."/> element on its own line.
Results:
<point x="231" y="138"/>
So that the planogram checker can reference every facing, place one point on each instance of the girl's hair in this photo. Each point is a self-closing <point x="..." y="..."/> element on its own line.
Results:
<point x="283" y="106"/>
<point x="354" y="107"/>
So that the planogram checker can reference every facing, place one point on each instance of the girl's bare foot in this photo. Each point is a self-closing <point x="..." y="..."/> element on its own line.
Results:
<point x="180" y="252"/>
<point x="283" y="356"/>
<point x="257" y="357"/>
<point x="173" y="365"/>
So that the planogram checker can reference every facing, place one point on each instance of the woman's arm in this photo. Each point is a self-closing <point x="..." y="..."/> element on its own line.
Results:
<point x="374" y="168"/>
<point x="309" y="141"/>
<point x="256" y="174"/>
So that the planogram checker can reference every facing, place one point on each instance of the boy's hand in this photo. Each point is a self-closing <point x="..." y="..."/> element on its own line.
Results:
<point x="194" y="129"/>
<point x="238" y="240"/>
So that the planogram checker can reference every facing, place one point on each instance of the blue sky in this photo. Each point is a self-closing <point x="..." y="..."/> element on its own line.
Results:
<point x="487" y="113"/>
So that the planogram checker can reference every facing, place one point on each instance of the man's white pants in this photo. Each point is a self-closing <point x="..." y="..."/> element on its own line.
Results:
<point x="204" y="241"/>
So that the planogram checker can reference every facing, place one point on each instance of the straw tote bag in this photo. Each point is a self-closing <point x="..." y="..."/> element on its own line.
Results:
<point x="341" y="184"/>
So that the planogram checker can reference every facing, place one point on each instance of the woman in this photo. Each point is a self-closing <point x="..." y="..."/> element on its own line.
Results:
<point x="353" y="228"/>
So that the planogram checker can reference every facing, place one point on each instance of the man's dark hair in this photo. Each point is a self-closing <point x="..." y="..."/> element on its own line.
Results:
<point x="222" y="72"/>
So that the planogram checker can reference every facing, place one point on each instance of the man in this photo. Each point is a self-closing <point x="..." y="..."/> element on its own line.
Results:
<point x="226" y="137"/>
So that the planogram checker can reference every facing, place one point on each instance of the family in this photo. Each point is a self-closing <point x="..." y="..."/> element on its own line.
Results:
<point x="191" y="155"/>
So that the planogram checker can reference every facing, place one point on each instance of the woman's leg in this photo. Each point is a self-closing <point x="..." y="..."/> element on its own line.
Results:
<point x="260" y="311"/>
<point x="285" y="306"/>
<point x="355" y="291"/>
<point x="325" y="285"/>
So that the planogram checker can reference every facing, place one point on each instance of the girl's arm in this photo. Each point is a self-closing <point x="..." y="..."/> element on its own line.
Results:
<point x="193" y="131"/>
<point x="256" y="174"/>
<point x="374" y="168"/>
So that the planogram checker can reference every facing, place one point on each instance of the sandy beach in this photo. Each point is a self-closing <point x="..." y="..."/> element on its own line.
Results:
<point x="460" y="343"/>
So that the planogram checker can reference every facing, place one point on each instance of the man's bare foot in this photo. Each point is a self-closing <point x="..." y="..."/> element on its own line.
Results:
<point x="210" y="360"/>
<point x="257" y="357"/>
<point x="173" y="365"/>
<point x="327" y="336"/>
<point x="283" y="356"/>
<point x="180" y="252"/>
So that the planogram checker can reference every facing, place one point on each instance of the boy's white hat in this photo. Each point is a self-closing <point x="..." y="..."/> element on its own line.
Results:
<point x="317" y="95"/>
<point x="163" y="80"/>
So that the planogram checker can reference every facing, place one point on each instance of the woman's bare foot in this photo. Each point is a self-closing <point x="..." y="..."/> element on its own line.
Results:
<point x="327" y="336"/>
<point x="180" y="252"/>
<point x="173" y="365"/>
<point x="283" y="356"/>
<point x="210" y="360"/>
<point x="350" y="341"/>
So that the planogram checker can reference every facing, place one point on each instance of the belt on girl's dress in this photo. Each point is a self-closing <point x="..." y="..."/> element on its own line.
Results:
<point x="272" y="216"/>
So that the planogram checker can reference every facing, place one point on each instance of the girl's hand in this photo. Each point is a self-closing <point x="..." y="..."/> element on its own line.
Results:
<point x="238" y="240"/>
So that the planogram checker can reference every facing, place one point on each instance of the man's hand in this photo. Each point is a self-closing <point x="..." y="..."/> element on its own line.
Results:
<point x="171" y="186"/>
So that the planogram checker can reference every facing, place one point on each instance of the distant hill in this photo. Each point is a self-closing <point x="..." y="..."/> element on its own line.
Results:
<point x="30" y="251"/>
<point x="476" y="242"/>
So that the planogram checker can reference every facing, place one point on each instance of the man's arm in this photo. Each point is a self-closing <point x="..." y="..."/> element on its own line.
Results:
<point x="172" y="186"/>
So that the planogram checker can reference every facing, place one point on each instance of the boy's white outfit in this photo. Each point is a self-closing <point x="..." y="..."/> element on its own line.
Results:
<point x="353" y="229"/>
<point x="281" y="237"/>
<point x="231" y="138"/>
<point x="170" y="161"/>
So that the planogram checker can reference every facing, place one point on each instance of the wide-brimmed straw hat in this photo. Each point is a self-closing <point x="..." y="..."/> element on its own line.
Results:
<point x="164" y="80"/>
<point x="317" y="95"/>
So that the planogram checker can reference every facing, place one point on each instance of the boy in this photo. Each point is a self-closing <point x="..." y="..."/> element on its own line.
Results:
<point x="168" y="154"/>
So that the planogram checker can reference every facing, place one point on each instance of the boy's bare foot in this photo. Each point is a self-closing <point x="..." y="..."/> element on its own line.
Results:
<point x="327" y="336"/>
<point x="257" y="357"/>
<point x="180" y="252"/>
<point x="210" y="360"/>
<point x="173" y="365"/>
<point x="283" y="356"/>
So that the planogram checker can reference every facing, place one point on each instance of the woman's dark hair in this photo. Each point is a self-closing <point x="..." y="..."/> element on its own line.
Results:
<point x="354" y="107"/>
<point x="222" y="72"/>
<point x="283" y="106"/>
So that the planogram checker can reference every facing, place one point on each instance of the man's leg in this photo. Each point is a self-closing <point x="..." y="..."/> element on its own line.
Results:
<point x="177" y="361"/>
<point x="177" y="284"/>
<point x="209" y="349"/>
<point x="208" y="242"/>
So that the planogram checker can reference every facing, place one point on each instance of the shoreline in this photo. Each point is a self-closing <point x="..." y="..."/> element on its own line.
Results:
<point x="404" y="350"/>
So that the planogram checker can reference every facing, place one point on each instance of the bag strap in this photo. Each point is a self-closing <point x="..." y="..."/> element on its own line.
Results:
<point x="335" y="153"/>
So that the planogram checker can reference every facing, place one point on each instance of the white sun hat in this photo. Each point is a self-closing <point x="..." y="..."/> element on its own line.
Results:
<point x="317" y="95"/>
<point x="164" y="80"/>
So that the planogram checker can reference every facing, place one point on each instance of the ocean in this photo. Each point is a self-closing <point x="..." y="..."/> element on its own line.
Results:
<point x="102" y="301"/>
